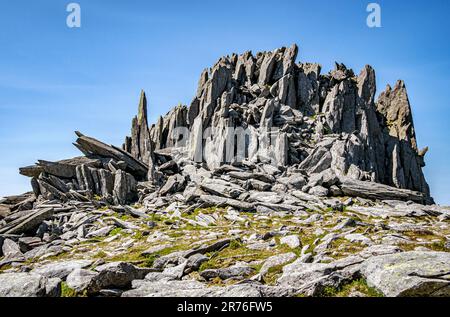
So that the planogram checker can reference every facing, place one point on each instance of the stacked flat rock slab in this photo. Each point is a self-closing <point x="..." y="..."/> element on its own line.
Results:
<point x="105" y="171"/>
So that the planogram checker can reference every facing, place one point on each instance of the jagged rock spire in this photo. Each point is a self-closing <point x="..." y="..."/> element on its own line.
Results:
<point x="394" y="105"/>
<point x="139" y="144"/>
<point x="404" y="162"/>
<point x="142" y="111"/>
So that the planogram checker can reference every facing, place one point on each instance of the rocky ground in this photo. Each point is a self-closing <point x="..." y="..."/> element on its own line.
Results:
<point x="335" y="204"/>
<point x="323" y="247"/>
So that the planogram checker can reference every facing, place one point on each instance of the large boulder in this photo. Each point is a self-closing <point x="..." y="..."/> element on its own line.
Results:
<point x="28" y="285"/>
<point x="115" y="275"/>
<point x="414" y="273"/>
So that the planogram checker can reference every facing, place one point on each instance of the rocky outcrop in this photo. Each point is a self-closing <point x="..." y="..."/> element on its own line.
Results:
<point x="321" y="121"/>
<point x="251" y="111"/>
<point x="106" y="172"/>
<point x="301" y="183"/>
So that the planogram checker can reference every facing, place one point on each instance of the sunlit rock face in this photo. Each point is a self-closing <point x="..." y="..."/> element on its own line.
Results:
<point x="268" y="108"/>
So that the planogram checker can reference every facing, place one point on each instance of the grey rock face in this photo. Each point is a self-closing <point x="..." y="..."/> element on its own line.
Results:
<point x="311" y="278"/>
<point x="28" y="222"/>
<point x="226" y="273"/>
<point x="115" y="275"/>
<point x="372" y="190"/>
<point x="80" y="279"/>
<point x="221" y="188"/>
<point x="409" y="273"/>
<point x="276" y="260"/>
<point x="11" y="250"/>
<point x="61" y="269"/>
<point x="292" y="241"/>
<point x="26" y="285"/>
<point x="124" y="188"/>
<point x="174" y="184"/>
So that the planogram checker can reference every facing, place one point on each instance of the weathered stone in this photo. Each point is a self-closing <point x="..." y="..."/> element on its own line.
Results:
<point x="25" y="285"/>
<point x="11" y="250"/>
<point x="79" y="279"/>
<point x="409" y="273"/>
<point x="216" y="246"/>
<point x="275" y="261"/>
<point x="292" y="241"/>
<point x="319" y="191"/>
<point x="268" y="197"/>
<point x="101" y="232"/>
<point x="115" y="275"/>
<point x="177" y="271"/>
<point x="28" y="222"/>
<point x="373" y="190"/>
<point x="125" y="190"/>
<point x="221" y="188"/>
<point x="95" y="147"/>
<point x="64" y="168"/>
<point x="237" y="271"/>
<point x="311" y="278"/>
<point x="174" y="184"/>
<point x="221" y="201"/>
<point x="195" y="261"/>
<point x="61" y="269"/>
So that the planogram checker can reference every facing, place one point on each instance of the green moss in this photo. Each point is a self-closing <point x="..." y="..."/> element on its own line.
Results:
<point x="5" y="267"/>
<point x="406" y="246"/>
<point x="66" y="291"/>
<point x="435" y="246"/>
<point x="58" y="257"/>
<point x="271" y="277"/>
<point x="284" y="248"/>
<point x="234" y="252"/>
<point x="206" y="266"/>
<point x="190" y="227"/>
<point x="438" y="246"/>
<point x="235" y="244"/>
<point x="156" y="217"/>
<point x="359" y="285"/>
<point x="345" y="247"/>
<point x="126" y="217"/>
<point x="115" y="231"/>
<point x="100" y="255"/>
<point x="205" y="211"/>
<point x="139" y="235"/>
<point x="134" y="255"/>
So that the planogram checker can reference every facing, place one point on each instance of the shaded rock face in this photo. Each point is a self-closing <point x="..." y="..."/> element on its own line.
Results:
<point x="322" y="121"/>
<point x="404" y="160"/>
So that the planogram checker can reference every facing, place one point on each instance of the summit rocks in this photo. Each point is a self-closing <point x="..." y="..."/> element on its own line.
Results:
<point x="277" y="180"/>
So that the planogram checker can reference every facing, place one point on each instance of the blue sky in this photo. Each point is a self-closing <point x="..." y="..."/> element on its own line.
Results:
<point x="55" y="80"/>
